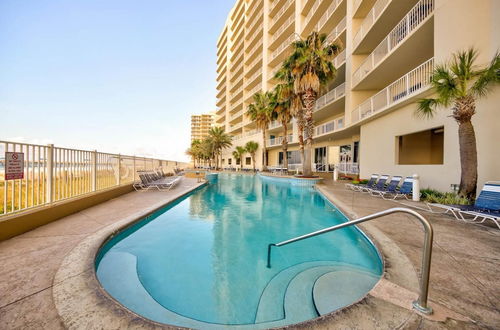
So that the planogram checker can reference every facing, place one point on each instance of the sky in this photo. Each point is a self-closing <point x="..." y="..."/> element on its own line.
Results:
<point x="120" y="76"/>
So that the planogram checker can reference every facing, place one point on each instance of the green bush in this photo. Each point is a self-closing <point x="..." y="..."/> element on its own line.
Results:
<point x="434" y="196"/>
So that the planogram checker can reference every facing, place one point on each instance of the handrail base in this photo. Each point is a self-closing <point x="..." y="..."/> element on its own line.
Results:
<point x="424" y="310"/>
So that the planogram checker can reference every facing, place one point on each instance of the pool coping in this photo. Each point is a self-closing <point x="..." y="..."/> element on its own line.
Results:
<point x="80" y="299"/>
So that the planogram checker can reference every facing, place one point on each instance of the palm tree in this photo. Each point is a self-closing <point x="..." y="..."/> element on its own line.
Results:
<point x="194" y="151"/>
<point x="460" y="83"/>
<point x="312" y="69"/>
<point x="220" y="140"/>
<point x="287" y="105"/>
<point x="261" y="111"/>
<point x="207" y="150"/>
<point x="251" y="147"/>
<point x="238" y="155"/>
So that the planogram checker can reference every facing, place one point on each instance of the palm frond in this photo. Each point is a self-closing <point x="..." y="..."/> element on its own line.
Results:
<point x="426" y="108"/>
<point x="487" y="77"/>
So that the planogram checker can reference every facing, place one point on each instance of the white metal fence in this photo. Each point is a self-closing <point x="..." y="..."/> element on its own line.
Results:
<point x="53" y="174"/>
<point x="410" y="22"/>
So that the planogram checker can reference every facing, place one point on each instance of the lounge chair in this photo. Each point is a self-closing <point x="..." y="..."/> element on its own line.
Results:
<point x="486" y="206"/>
<point x="380" y="185"/>
<point x="360" y="187"/>
<point x="149" y="180"/>
<point x="391" y="188"/>
<point x="406" y="190"/>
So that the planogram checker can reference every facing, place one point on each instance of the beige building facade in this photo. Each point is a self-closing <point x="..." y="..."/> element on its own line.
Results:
<point x="200" y="125"/>
<point x="364" y="120"/>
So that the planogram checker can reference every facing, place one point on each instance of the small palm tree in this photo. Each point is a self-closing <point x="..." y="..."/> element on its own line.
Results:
<point x="312" y="69"/>
<point x="194" y="151"/>
<point x="207" y="150"/>
<point x="238" y="155"/>
<point x="261" y="111"/>
<point x="460" y="83"/>
<point x="287" y="105"/>
<point x="220" y="140"/>
<point x="251" y="147"/>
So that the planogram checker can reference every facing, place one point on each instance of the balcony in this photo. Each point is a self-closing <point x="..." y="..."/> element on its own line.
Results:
<point x="221" y="119"/>
<point x="406" y="28"/>
<point x="274" y="6"/>
<point x="331" y="14"/>
<point x="330" y="97"/>
<point x="250" y="82"/>
<point x="277" y="55"/>
<point x="238" y="83"/>
<point x="339" y="60"/>
<point x="279" y="35"/>
<point x="234" y="127"/>
<point x="253" y="23"/>
<point x="278" y="141"/>
<point x="221" y="92"/>
<point x="255" y="41"/>
<point x="221" y="100"/>
<point x="249" y="95"/>
<point x="254" y="65"/>
<point x="329" y="127"/>
<point x="254" y="6"/>
<point x="281" y="15"/>
<point x="337" y="31"/>
<point x="237" y="93"/>
<point x="378" y="22"/>
<point x="236" y="115"/>
<point x="411" y="84"/>
<point x="320" y="11"/>
<point x="221" y="110"/>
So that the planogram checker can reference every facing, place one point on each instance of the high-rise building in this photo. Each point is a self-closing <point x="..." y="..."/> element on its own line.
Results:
<point x="200" y="125"/>
<point x="365" y="119"/>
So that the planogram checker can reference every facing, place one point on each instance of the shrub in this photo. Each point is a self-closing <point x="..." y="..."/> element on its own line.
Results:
<point x="434" y="196"/>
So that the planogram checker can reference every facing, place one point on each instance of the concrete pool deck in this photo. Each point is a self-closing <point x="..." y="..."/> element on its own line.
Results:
<point x="464" y="269"/>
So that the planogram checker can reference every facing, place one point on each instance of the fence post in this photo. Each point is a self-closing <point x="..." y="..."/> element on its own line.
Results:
<point x="416" y="188"/>
<point x="133" y="173"/>
<point x="50" y="172"/>
<point x="93" y="170"/>
<point x="118" y="176"/>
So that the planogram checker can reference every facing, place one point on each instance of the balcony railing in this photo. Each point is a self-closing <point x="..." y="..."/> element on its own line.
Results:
<point x="235" y="126"/>
<point x="236" y="115"/>
<point x="328" y="13"/>
<point x="274" y="124"/>
<point x="369" y="20"/>
<point x="283" y="46"/>
<point x="411" y="83"/>
<point x="339" y="59"/>
<point x="283" y="27"/>
<point x="252" y="78"/>
<point x="356" y="5"/>
<point x="281" y="12"/>
<point x="253" y="91"/>
<point x="329" y="97"/>
<point x="255" y="5"/>
<point x="312" y="11"/>
<point x="328" y="127"/>
<point x="337" y="30"/>
<point x="410" y="22"/>
<point x="251" y="26"/>
<point x="256" y="35"/>
<point x="279" y="140"/>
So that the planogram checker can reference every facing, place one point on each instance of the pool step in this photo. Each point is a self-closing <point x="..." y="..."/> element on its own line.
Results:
<point x="334" y="290"/>
<point x="270" y="306"/>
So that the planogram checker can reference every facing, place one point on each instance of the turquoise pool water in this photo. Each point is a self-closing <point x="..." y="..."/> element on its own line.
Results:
<point x="201" y="261"/>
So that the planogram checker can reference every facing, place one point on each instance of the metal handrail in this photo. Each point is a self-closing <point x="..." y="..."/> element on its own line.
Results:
<point x="421" y="303"/>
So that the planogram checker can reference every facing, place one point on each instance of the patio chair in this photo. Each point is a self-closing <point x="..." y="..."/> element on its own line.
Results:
<point x="369" y="184"/>
<point x="486" y="206"/>
<point x="406" y="190"/>
<point x="391" y="188"/>
<point x="380" y="185"/>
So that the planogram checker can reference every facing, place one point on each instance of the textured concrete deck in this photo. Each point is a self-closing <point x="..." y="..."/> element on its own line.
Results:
<point x="30" y="261"/>
<point x="464" y="275"/>
<point x="465" y="260"/>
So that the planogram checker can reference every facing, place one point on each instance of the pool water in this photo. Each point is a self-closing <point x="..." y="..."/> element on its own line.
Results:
<point x="201" y="260"/>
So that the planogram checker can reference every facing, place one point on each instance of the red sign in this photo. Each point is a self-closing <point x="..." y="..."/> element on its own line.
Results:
<point x="14" y="165"/>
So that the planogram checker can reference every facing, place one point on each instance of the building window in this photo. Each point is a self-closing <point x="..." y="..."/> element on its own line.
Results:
<point x="229" y="161"/>
<point x="248" y="161"/>
<point x="421" y="148"/>
<point x="355" y="156"/>
<point x="293" y="157"/>
<point x="237" y="161"/>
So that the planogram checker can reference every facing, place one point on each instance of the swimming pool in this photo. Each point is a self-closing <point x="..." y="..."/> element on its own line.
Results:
<point x="201" y="261"/>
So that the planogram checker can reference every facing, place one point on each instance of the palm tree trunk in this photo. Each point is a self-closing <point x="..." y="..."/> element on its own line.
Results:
<point x="253" y="162"/>
<point x="264" y="148"/>
<point x="300" y="128"/>
<point x="468" y="160"/>
<point x="309" y="99"/>
<point x="285" y="145"/>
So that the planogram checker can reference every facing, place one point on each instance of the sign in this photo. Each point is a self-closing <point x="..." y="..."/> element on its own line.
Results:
<point x="14" y="165"/>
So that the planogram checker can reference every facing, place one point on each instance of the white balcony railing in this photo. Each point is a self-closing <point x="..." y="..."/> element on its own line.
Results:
<point x="274" y="124"/>
<point x="329" y="97"/>
<point x="339" y="59"/>
<point x="281" y="12"/>
<point x="236" y="115"/>
<point x="285" y="44"/>
<point x="348" y="168"/>
<point x="235" y="126"/>
<point x="410" y="22"/>
<point x="411" y="83"/>
<point x="369" y="20"/>
<point x="312" y="11"/>
<point x="328" y="127"/>
<point x="337" y="30"/>
<point x="356" y="5"/>
<point x="279" y="140"/>
<point x="252" y="78"/>
<point x="283" y="27"/>
<point x="254" y="90"/>
<point x="253" y="9"/>
<point x="328" y="13"/>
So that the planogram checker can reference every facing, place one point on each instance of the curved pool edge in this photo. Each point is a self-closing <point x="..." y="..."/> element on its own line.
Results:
<point x="81" y="301"/>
